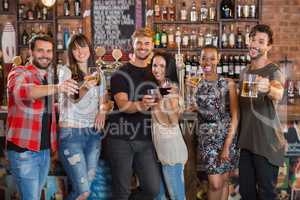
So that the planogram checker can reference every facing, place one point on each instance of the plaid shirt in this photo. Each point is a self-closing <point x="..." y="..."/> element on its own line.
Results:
<point x="24" y="119"/>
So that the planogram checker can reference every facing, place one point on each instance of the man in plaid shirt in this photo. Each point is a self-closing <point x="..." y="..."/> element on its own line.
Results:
<point x="31" y="118"/>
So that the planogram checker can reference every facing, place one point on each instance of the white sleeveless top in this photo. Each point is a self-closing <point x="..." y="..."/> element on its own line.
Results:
<point x="82" y="113"/>
<point x="169" y="144"/>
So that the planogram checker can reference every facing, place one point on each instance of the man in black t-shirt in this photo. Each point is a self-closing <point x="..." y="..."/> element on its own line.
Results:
<point x="260" y="137"/>
<point x="129" y="145"/>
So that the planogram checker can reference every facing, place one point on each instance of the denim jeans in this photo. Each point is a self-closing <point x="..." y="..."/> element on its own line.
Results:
<point x="30" y="170"/>
<point x="173" y="177"/>
<point x="126" y="157"/>
<point x="257" y="177"/>
<point x="79" y="152"/>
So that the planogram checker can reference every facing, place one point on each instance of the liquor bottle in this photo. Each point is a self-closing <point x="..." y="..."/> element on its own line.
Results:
<point x="252" y="9"/>
<point x="194" y="16"/>
<point x="32" y="33"/>
<point x="204" y="11"/>
<point x="5" y="5"/>
<point x="208" y="38"/>
<point x="45" y="13"/>
<point x="193" y="39"/>
<point x="230" y="67"/>
<point x="157" y="39"/>
<point x="243" y="62"/>
<point x="239" y="39"/>
<point x="224" y="39"/>
<point x="178" y="37"/>
<point x="237" y="66"/>
<point x="40" y="32"/>
<point x="66" y="8"/>
<point x="200" y="39"/>
<point x="164" y="13"/>
<point x="183" y="12"/>
<point x="239" y="9"/>
<point x="290" y="89"/>
<point x="188" y="63"/>
<point x="185" y="39"/>
<point x="156" y="10"/>
<point x="246" y="10"/>
<point x="38" y="11"/>
<point x="60" y="38"/>
<point x="49" y="32"/>
<point x="66" y="37"/>
<point x="247" y="36"/>
<point x="227" y="9"/>
<point x="225" y="66"/>
<point x="219" y="68"/>
<point x="215" y="39"/>
<point x="77" y="7"/>
<point x="172" y="11"/>
<point x="231" y="38"/>
<point x="21" y="11"/>
<point x="30" y="13"/>
<point x="25" y="37"/>
<point x="171" y="39"/>
<point x="164" y="38"/>
<point x="212" y="13"/>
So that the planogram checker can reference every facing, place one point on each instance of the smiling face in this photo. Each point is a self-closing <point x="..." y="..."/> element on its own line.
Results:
<point x="159" y="68"/>
<point x="259" y="45"/>
<point x="81" y="53"/>
<point x="42" y="54"/>
<point x="142" y="47"/>
<point x="209" y="60"/>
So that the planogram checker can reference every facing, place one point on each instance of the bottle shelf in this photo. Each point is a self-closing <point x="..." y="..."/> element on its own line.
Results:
<point x="240" y="20"/>
<point x="36" y="21"/>
<point x="233" y="50"/>
<point x="69" y="17"/>
<point x="185" y="22"/>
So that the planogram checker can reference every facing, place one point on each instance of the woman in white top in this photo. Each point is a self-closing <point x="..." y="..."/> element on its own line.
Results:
<point x="81" y="118"/>
<point x="167" y="137"/>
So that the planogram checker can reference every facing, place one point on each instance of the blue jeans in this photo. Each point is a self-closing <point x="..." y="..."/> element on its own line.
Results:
<point x="174" y="181"/>
<point x="79" y="152"/>
<point x="30" y="170"/>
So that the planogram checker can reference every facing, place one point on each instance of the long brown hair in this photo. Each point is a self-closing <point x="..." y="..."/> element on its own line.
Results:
<point x="79" y="40"/>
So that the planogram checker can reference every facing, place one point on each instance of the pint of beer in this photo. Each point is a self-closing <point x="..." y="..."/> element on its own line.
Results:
<point x="249" y="87"/>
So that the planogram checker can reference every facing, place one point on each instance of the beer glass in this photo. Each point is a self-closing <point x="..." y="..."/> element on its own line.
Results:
<point x="249" y="86"/>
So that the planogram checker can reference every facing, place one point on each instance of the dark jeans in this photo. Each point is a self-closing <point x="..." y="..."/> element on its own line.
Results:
<point x="126" y="157"/>
<point x="257" y="177"/>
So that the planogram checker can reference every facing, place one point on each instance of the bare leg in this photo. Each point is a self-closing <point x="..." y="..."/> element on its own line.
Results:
<point x="218" y="187"/>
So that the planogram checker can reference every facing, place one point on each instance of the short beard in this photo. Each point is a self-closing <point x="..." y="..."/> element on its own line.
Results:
<point x="35" y="63"/>
<point x="259" y="55"/>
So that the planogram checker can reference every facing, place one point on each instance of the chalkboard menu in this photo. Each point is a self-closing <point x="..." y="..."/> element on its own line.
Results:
<point x="114" y="21"/>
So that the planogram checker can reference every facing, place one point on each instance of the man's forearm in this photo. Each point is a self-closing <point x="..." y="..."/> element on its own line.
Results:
<point x="131" y="106"/>
<point x="39" y="91"/>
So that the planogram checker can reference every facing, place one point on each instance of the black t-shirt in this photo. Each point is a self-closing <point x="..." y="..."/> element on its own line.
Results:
<point x="46" y="127"/>
<point x="134" y="81"/>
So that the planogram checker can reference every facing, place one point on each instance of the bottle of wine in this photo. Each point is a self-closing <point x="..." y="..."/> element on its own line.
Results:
<point x="77" y="7"/>
<point x="247" y="37"/>
<point x="224" y="39"/>
<point x="183" y="12"/>
<point x="25" y="37"/>
<point x="194" y="16"/>
<point x="231" y="67"/>
<point x="171" y="39"/>
<point x="60" y="39"/>
<point x="157" y="39"/>
<point x="38" y="11"/>
<point x="156" y="10"/>
<point x="172" y="11"/>
<point x="227" y="9"/>
<point x="225" y="66"/>
<point x="239" y="39"/>
<point x="204" y="12"/>
<point x="231" y="37"/>
<point x="5" y="5"/>
<point x="164" y="38"/>
<point x="66" y="8"/>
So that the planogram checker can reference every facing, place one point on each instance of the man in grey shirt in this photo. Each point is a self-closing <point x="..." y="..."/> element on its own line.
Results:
<point x="260" y="137"/>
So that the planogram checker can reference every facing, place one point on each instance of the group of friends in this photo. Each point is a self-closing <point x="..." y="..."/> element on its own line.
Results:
<point x="142" y="130"/>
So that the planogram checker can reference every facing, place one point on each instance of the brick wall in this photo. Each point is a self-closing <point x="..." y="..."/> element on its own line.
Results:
<point x="284" y="18"/>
